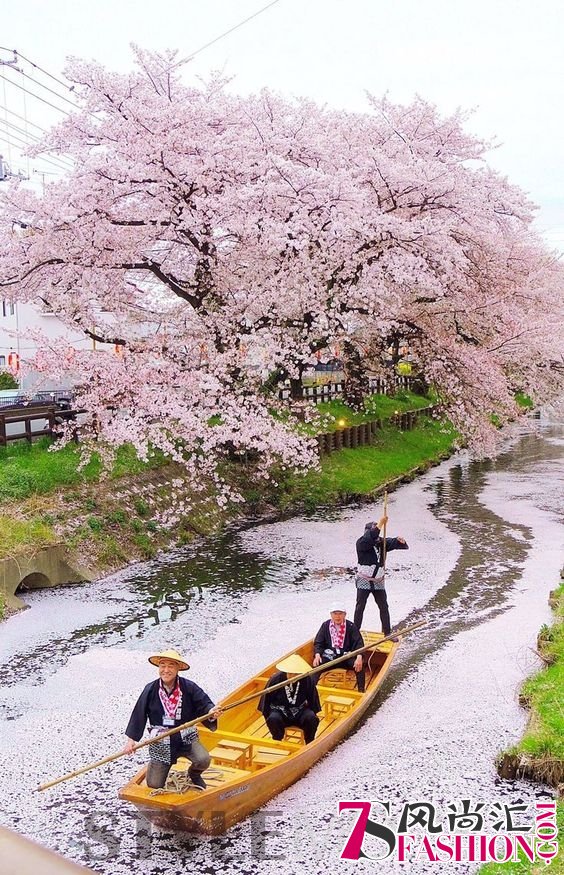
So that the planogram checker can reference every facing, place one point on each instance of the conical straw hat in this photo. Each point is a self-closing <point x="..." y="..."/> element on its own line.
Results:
<point x="293" y="664"/>
<point x="170" y="654"/>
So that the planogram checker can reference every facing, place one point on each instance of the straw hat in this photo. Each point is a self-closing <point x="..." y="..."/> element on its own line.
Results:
<point x="170" y="654"/>
<point x="293" y="664"/>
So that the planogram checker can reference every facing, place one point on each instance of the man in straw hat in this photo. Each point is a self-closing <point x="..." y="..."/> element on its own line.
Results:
<point x="165" y="703"/>
<point x="296" y="704"/>
<point x="336" y="637"/>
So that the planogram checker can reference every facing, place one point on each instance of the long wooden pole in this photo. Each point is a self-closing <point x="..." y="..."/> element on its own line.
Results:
<point x="384" y="532"/>
<point x="209" y="715"/>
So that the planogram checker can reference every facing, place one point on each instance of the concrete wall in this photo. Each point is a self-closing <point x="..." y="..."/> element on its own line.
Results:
<point x="47" y="567"/>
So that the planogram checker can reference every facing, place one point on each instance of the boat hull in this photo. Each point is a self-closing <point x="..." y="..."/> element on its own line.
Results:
<point x="244" y="790"/>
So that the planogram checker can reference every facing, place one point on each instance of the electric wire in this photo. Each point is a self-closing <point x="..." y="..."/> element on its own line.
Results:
<point x="41" y="69"/>
<point x="50" y="90"/>
<point x="17" y="115"/>
<point x="38" y="158"/>
<point x="226" y="33"/>
<point x="64" y="162"/>
<point x="6" y="117"/>
<point x="32" y="94"/>
<point x="25" y="119"/>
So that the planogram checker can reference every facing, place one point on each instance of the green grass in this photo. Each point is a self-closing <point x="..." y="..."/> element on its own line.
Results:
<point x="545" y="693"/>
<point x="524" y="866"/>
<point x="336" y="414"/>
<point x="29" y="469"/>
<point x="544" y="737"/>
<point x="16" y="535"/>
<point x="362" y="470"/>
<point x="524" y="400"/>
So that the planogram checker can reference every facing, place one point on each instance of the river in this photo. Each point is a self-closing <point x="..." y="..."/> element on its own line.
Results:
<point x="486" y="543"/>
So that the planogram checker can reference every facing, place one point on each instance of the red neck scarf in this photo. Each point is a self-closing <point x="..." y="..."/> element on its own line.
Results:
<point x="172" y="705"/>
<point x="337" y="634"/>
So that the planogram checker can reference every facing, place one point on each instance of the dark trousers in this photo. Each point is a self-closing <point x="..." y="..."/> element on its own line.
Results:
<point x="307" y="720"/>
<point x="347" y="663"/>
<point x="382" y="602"/>
<point x="157" y="772"/>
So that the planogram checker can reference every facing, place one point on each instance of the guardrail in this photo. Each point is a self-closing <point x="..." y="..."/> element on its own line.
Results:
<point x="23" y="400"/>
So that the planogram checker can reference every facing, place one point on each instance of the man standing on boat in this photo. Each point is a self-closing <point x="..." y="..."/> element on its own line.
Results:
<point x="336" y="637"/>
<point x="165" y="703"/>
<point x="371" y="552"/>
<point x="296" y="704"/>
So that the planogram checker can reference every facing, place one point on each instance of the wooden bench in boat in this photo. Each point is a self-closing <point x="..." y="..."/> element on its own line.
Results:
<point x="223" y="755"/>
<point x="335" y="706"/>
<point x="264" y="756"/>
<point x="233" y="751"/>
<point x="295" y="734"/>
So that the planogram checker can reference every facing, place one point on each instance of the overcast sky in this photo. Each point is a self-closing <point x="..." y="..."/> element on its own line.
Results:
<point x="504" y="58"/>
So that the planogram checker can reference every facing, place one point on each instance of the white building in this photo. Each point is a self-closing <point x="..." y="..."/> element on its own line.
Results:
<point x="17" y="321"/>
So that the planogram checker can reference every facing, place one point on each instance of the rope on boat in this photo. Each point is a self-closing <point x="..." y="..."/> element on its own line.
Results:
<point x="180" y="782"/>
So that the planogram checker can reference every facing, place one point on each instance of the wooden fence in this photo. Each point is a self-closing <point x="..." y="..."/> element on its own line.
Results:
<point x="328" y="391"/>
<point x="50" y="416"/>
<point x="13" y="417"/>
<point x="364" y="434"/>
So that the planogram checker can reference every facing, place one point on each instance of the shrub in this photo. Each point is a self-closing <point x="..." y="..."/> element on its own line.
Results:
<point x="95" y="524"/>
<point x="7" y="381"/>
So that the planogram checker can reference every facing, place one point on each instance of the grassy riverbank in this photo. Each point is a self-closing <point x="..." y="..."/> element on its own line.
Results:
<point x="34" y="469"/>
<point x="356" y="474"/>
<point x="106" y="522"/>
<point x="540" y="753"/>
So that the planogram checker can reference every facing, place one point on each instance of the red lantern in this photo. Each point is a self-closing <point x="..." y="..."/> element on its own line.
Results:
<point x="14" y="362"/>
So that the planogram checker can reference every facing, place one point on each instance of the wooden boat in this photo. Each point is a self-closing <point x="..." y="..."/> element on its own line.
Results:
<point x="248" y="767"/>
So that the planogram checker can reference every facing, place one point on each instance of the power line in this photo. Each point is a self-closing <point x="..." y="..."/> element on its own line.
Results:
<point x="50" y="90"/>
<point x="52" y="105"/>
<point x="227" y="32"/>
<point x="45" y="72"/>
<point x="21" y="118"/>
<point x="18" y="146"/>
<point x="63" y="161"/>
<point x="21" y="130"/>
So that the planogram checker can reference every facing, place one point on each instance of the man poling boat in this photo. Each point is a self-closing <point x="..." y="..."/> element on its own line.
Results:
<point x="248" y="766"/>
<point x="371" y="552"/>
<point x="167" y="702"/>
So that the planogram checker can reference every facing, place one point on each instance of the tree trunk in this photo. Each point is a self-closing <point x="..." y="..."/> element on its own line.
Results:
<point x="356" y="386"/>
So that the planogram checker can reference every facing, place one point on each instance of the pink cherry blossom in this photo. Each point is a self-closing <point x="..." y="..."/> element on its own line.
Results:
<point x="207" y="237"/>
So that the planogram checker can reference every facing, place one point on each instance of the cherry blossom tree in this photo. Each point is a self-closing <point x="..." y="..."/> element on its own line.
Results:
<point x="205" y="236"/>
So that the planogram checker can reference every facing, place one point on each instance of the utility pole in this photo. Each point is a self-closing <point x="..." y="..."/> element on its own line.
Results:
<point x="43" y="174"/>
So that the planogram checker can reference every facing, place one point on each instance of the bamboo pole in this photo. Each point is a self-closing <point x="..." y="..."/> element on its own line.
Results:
<point x="325" y="667"/>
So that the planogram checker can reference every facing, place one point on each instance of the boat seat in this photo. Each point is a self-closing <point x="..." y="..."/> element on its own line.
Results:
<point x="243" y="747"/>
<point x="225" y="756"/>
<point x="295" y="734"/>
<point x="340" y="678"/>
<point x="334" y="706"/>
<point x="266" y="756"/>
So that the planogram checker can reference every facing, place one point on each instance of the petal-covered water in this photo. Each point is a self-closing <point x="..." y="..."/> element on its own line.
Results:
<point x="485" y="549"/>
